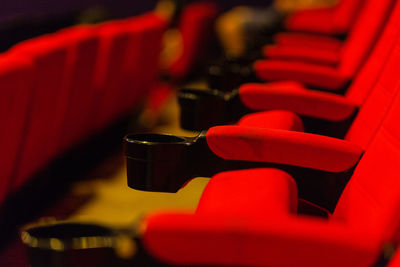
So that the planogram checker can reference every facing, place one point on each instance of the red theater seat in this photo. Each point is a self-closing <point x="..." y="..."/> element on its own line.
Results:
<point x="195" y="27"/>
<point x="149" y="61"/>
<point x="78" y="122"/>
<point x="347" y="60"/>
<point x="141" y="68"/>
<point x="114" y="43"/>
<point x="365" y="219"/>
<point x="366" y="90"/>
<point x="49" y="57"/>
<point x="117" y="39"/>
<point x="15" y="82"/>
<point x="333" y="21"/>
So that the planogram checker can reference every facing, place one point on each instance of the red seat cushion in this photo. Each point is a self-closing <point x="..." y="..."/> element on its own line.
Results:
<point x="233" y="193"/>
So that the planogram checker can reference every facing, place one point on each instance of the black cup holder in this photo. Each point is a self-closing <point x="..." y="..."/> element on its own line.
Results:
<point x="158" y="166"/>
<point x="155" y="162"/>
<point x="67" y="231"/>
<point x="152" y="139"/>
<point x="202" y="109"/>
<point x="229" y="73"/>
<point x="65" y="244"/>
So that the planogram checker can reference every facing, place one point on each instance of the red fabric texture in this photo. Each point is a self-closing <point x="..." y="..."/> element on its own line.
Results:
<point x="371" y="200"/>
<point x="353" y="54"/>
<point x="16" y="74"/>
<point x="360" y="41"/>
<point x="144" y="52"/>
<point x="307" y="40"/>
<point x="380" y="99"/>
<point x="274" y="119"/>
<point x="316" y="75"/>
<point x="219" y="239"/>
<point x="371" y="70"/>
<point x="283" y="147"/>
<point x="369" y="86"/>
<point x="114" y="43"/>
<point x="301" y="101"/>
<point x="77" y="123"/>
<point x="118" y="40"/>
<point x="315" y="20"/>
<point x="49" y="57"/>
<point x="337" y="20"/>
<point x="233" y="193"/>
<point x="77" y="83"/>
<point x="195" y="27"/>
<point x="321" y="56"/>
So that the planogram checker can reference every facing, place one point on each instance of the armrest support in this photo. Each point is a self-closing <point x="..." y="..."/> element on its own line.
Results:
<point x="314" y="55"/>
<point x="283" y="147"/>
<point x="308" y="40"/>
<point x="325" y="77"/>
<point x="188" y="239"/>
<point x="311" y="103"/>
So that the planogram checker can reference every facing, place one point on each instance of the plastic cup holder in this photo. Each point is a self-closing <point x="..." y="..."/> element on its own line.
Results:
<point x="65" y="244"/>
<point x="155" y="139"/>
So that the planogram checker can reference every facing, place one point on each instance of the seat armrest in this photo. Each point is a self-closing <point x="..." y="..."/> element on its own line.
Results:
<point x="212" y="239"/>
<point x="320" y="21"/>
<point x="322" y="105"/>
<point x="320" y="76"/>
<point x="283" y="147"/>
<point x="323" y="56"/>
<point x="308" y="40"/>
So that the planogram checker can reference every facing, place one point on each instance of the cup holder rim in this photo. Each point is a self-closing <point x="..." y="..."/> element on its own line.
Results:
<point x="59" y="242"/>
<point x="191" y="93"/>
<point x="154" y="139"/>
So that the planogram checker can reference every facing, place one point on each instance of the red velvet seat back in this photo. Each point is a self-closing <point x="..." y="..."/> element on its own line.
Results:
<point x="113" y="46"/>
<point x="15" y="82"/>
<point x="371" y="200"/>
<point x="49" y="56"/>
<point x="141" y="67"/>
<point x="78" y="122"/>
<point x="364" y="35"/>
<point x="117" y="41"/>
<point x="346" y="13"/>
<point x="374" y="109"/>
<point x="130" y="73"/>
<point x="150" y="57"/>
<point x="366" y="79"/>
<point x="196" y="27"/>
